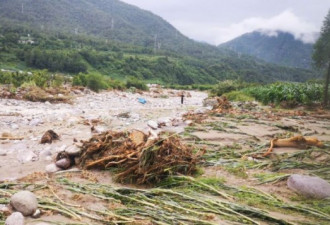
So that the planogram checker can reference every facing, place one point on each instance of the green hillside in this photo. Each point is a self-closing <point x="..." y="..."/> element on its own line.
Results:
<point x="119" y="40"/>
<point x="282" y="49"/>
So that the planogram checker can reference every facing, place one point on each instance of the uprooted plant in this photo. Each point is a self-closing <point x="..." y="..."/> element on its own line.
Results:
<point x="137" y="158"/>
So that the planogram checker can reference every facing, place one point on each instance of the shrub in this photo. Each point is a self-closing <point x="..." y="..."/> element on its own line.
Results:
<point x="80" y="80"/>
<point x="115" y="84"/>
<point x="28" y="84"/>
<point x="96" y="82"/>
<point x="57" y="80"/>
<point x="228" y="86"/>
<point x="41" y="78"/>
<point x="238" y="96"/>
<point x="19" y="78"/>
<point x="134" y="82"/>
<point x="5" y="78"/>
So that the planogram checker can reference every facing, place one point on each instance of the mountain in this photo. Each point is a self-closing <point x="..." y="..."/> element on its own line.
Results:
<point x="117" y="39"/>
<point x="110" y="19"/>
<point x="277" y="47"/>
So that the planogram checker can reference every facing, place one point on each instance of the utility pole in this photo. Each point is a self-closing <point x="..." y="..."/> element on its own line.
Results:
<point x="112" y="17"/>
<point x="112" y="23"/>
<point x="155" y="43"/>
<point x="22" y="8"/>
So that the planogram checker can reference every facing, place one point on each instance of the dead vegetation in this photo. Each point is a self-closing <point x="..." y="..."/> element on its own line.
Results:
<point x="195" y="117"/>
<point x="137" y="158"/>
<point x="223" y="105"/>
<point x="37" y="94"/>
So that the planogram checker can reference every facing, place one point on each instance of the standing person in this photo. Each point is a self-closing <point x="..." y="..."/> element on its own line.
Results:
<point x="182" y="95"/>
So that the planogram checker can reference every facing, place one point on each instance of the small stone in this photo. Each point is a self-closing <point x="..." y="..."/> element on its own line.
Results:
<point x="49" y="158"/>
<point x="163" y="121"/>
<point x="63" y="163"/>
<point x="308" y="186"/>
<point x="188" y="122"/>
<point x="24" y="202"/>
<point x="201" y="111"/>
<point x="3" y="152"/>
<point x="45" y="153"/>
<point x="35" y="122"/>
<point x="61" y="149"/>
<point x="52" y="168"/>
<point x="152" y="124"/>
<point x="73" y="150"/>
<point x="25" y="156"/>
<point x="36" y="214"/>
<point x="5" y="210"/>
<point x="15" y="219"/>
<point x="14" y="126"/>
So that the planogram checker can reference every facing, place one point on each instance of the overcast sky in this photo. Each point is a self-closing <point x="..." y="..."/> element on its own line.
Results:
<point x="218" y="21"/>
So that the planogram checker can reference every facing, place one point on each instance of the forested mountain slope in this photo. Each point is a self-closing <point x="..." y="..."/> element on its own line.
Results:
<point x="280" y="48"/>
<point x="119" y="40"/>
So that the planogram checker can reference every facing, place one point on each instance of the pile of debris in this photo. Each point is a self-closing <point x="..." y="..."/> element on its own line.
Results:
<point x="222" y="106"/>
<point x="195" y="117"/>
<point x="137" y="157"/>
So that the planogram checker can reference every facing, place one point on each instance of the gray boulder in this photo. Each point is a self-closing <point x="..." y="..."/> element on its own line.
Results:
<point x="312" y="187"/>
<point x="15" y="218"/>
<point x="24" y="202"/>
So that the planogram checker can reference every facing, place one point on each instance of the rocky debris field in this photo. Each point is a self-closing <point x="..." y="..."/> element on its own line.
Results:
<point x="90" y="113"/>
<point x="234" y="183"/>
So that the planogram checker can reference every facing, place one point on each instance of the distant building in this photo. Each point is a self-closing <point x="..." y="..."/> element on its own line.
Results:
<point x="26" y="40"/>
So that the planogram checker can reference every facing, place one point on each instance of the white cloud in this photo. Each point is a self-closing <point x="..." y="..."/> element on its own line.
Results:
<point x="218" y="21"/>
<point x="286" y="21"/>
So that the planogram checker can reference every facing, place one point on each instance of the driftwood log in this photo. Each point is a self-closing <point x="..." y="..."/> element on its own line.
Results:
<point x="294" y="142"/>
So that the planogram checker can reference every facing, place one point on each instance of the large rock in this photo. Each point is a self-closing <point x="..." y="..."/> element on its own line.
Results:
<point x="15" y="219"/>
<point x="24" y="202"/>
<point x="308" y="186"/>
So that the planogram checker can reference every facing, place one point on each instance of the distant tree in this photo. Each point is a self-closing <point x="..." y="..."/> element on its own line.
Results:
<point x="321" y="55"/>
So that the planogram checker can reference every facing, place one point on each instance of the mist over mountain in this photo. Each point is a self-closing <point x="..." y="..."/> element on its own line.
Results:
<point x="277" y="47"/>
<point x="117" y="39"/>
